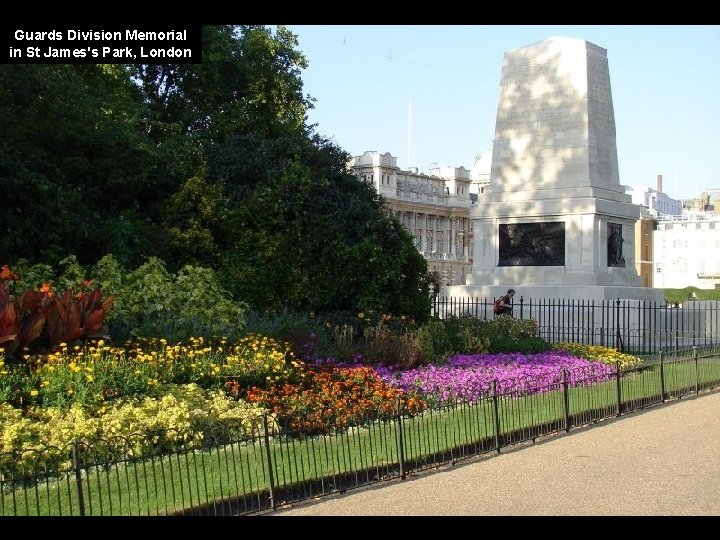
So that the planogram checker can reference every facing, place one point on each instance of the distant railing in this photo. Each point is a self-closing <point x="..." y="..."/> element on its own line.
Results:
<point x="640" y="327"/>
<point x="137" y="475"/>
<point x="699" y="216"/>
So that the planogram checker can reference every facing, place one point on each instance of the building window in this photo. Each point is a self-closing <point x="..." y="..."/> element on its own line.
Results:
<point x="658" y="270"/>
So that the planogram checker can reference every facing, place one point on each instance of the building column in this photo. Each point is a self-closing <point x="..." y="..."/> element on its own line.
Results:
<point x="451" y="236"/>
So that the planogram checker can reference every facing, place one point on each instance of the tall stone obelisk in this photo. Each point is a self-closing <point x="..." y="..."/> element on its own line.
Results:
<point x="555" y="221"/>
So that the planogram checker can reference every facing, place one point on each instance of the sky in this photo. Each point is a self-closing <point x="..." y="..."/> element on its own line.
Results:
<point x="665" y="83"/>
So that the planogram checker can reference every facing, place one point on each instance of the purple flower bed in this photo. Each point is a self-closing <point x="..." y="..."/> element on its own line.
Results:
<point x="469" y="377"/>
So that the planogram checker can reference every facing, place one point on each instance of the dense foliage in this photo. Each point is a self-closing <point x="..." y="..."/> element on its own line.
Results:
<point x="209" y="165"/>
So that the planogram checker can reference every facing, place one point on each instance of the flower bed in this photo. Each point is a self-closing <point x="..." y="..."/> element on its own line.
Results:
<point x="39" y="437"/>
<point x="470" y="377"/>
<point x="331" y="397"/>
<point x="598" y="353"/>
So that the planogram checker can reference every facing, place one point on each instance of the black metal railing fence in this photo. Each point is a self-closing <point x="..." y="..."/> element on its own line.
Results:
<point x="639" y="327"/>
<point x="225" y="474"/>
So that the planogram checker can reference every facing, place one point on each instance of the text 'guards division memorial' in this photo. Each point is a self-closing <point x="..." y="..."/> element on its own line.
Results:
<point x="555" y="221"/>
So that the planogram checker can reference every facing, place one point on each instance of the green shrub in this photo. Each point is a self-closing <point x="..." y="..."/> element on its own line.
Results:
<point x="150" y="301"/>
<point x="527" y="345"/>
<point x="433" y="342"/>
<point x="31" y="276"/>
<point x="154" y="302"/>
<point x="511" y="327"/>
<point x="465" y="334"/>
<point x="381" y="345"/>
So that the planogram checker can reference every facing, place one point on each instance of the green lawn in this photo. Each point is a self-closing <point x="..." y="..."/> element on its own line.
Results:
<point x="683" y="295"/>
<point x="305" y="467"/>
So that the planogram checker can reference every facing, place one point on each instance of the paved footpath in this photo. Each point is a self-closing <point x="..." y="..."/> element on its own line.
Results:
<point x="661" y="461"/>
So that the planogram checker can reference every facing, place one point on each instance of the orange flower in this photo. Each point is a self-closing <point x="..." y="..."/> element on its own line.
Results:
<point x="6" y="274"/>
<point x="86" y="283"/>
<point x="47" y="290"/>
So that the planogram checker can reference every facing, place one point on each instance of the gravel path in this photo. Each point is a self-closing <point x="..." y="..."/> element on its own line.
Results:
<point x="662" y="461"/>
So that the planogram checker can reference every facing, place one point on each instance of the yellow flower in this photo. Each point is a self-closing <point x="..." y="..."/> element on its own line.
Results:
<point x="34" y="393"/>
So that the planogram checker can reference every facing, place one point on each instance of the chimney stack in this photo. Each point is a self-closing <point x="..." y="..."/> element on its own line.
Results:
<point x="659" y="183"/>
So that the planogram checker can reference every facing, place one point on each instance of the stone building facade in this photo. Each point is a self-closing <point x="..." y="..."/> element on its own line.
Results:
<point x="687" y="251"/>
<point x="433" y="207"/>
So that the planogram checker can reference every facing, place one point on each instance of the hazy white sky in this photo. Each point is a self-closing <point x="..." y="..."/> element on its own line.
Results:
<point x="665" y="82"/>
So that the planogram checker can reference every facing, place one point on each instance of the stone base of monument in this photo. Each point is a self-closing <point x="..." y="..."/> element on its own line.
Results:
<point x="557" y="292"/>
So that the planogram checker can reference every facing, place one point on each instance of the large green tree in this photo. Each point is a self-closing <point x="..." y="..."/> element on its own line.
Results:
<point x="211" y="164"/>
<point x="319" y="243"/>
<point x="75" y="164"/>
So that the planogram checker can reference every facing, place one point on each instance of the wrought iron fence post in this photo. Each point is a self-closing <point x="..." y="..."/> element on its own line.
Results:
<point x="522" y="301"/>
<point x="617" y="324"/>
<point x="697" y="374"/>
<point x="400" y="440"/>
<point x="268" y="459"/>
<point x="677" y="339"/>
<point x="662" y="378"/>
<point x="566" y="399"/>
<point x="618" y="387"/>
<point x="496" y="416"/>
<point x="78" y="476"/>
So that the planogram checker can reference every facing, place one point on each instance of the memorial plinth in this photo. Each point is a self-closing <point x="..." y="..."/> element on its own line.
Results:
<point x="555" y="220"/>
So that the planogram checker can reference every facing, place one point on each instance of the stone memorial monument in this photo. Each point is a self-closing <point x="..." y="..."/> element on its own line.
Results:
<point x="555" y="221"/>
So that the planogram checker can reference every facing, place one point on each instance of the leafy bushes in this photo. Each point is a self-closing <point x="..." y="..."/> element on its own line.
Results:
<point x="151" y="301"/>
<point x="503" y="344"/>
<point x="155" y="302"/>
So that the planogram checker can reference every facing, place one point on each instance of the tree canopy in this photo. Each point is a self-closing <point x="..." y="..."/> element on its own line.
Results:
<point x="210" y="164"/>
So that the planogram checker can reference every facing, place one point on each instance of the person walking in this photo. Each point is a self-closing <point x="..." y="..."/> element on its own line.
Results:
<point x="503" y="305"/>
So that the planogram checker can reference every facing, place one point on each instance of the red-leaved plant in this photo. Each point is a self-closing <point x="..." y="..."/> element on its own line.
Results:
<point x="38" y="321"/>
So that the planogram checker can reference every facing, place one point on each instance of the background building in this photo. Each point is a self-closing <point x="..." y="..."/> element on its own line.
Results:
<point x="644" y="230"/>
<point x="657" y="202"/>
<point x="434" y="208"/>
<point x="687" y="251"/>
<point x="706" y="203"/>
